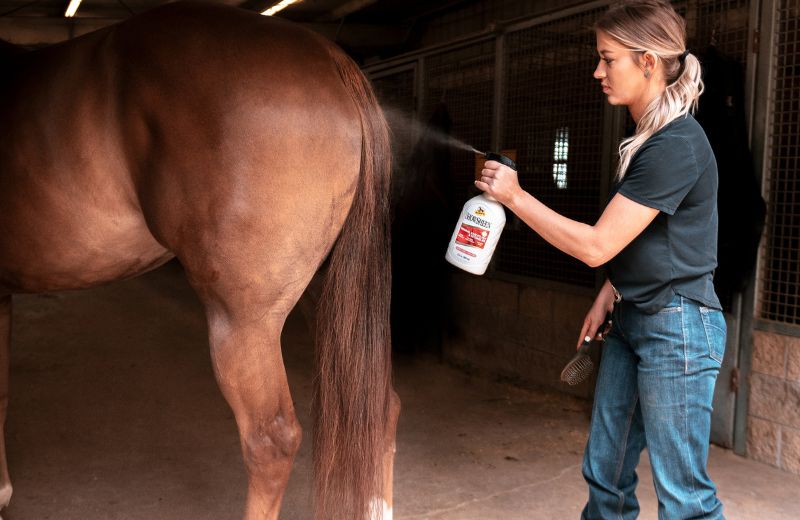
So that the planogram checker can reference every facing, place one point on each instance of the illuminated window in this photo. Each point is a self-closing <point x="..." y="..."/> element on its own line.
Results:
<point x="560" y="152"/>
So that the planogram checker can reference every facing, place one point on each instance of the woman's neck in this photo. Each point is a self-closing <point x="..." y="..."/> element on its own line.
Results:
<point x="638" y="109"/>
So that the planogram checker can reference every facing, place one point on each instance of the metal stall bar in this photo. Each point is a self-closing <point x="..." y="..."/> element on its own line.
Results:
<point x="554" y="119"/>
<point x="779" y="274"/>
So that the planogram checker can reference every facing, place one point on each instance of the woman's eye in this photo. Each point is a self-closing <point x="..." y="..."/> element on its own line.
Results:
<point x="608" y="60"/>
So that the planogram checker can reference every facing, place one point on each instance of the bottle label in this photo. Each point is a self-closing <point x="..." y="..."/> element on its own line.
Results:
<point x="473" y="236"/>
<point x="476" y="235"/>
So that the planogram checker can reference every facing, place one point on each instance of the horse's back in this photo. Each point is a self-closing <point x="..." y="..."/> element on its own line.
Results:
<point x="116" y="145"/>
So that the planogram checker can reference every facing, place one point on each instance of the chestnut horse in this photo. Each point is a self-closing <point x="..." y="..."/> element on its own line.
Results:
<point x="252" y="150"/>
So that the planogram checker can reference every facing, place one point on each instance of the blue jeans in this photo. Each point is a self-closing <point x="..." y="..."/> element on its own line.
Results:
<point x="654" y="390"/>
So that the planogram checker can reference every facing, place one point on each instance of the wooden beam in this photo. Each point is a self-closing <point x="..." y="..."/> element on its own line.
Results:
<point x="35" y="31"/>
<point x="347" y="8"/>
<point x="361" y="35"/>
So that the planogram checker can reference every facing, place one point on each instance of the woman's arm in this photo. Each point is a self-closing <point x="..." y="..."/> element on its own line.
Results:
<point x="621" y="221"/>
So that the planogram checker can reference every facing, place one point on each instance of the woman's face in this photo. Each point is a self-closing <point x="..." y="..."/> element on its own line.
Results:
<point x="621" y="73"/>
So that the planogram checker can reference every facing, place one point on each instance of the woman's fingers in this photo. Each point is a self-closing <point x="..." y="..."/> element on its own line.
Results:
<point x="594" y="328"/>
<point x="587" y="325"/>
<point x="603" y="328"/>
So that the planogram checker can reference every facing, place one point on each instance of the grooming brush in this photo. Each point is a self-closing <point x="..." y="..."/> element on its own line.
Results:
<point x="581" y="364"/>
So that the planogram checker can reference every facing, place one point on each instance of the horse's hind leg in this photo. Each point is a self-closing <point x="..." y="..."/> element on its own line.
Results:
<point x="244" y="333"/>
<point x="5" y="339"/>
<point x="248" y="289"/>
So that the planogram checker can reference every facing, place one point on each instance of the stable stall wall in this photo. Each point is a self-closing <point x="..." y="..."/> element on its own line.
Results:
<point x="527" y="91"/>
<point x="515" y="332"/>
<point x="774" y="414"/>
<point x="770" y="383"/>
<point x="513" y="77"/>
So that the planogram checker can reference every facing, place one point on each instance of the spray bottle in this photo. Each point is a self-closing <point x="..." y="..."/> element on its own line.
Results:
<point x="478" y="229"/>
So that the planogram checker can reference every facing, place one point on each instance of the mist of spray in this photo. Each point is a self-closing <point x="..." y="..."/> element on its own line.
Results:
<point x="401" y="123"/>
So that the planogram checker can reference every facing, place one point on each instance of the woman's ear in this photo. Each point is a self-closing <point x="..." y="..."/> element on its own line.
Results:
<point x="648" y="61"/>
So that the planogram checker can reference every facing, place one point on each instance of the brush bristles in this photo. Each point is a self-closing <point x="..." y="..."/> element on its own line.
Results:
<point x="577" y="370"/>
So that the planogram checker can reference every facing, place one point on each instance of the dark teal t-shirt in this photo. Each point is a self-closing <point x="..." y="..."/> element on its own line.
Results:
<point x="675" y="172"/>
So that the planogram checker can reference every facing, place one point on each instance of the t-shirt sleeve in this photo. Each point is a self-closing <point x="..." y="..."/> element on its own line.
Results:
<point x="661" y="173"/>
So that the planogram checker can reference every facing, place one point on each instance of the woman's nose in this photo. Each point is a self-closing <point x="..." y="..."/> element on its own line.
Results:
<point x="599" y="71"/>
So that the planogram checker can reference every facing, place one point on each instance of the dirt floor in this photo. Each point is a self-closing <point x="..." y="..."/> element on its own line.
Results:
<point x="115" y="414"/>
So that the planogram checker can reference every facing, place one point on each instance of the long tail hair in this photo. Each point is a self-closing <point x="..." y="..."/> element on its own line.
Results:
<point x="353" y="345"/>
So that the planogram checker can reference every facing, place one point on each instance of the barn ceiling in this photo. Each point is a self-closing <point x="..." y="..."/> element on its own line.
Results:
<point x="362" y="27"/>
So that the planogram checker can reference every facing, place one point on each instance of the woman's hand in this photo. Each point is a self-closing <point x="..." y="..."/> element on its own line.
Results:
<point x="603" y="304"/>
<point x="499" y="181"/>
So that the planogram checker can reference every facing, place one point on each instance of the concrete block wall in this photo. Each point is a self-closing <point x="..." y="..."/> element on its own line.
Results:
<point x="514" y="331"/>
<point x="773" y="429"/>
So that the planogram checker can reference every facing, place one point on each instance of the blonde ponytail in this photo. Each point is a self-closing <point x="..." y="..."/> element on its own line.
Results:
<point x="654" y="26"/>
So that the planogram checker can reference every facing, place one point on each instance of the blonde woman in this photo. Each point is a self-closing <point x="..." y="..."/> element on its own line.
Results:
<point x="657" y="240"/>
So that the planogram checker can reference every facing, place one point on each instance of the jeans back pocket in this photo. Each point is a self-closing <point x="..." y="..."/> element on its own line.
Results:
<point x="716" y="331"/>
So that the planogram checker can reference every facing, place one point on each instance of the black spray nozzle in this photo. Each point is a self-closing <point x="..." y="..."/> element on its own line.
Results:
<point x="502" y="159"/>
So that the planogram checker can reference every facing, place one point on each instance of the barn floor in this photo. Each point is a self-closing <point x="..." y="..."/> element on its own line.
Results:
<point x="115" y="414"/>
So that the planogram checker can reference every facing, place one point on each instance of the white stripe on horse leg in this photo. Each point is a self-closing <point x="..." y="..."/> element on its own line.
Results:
<point x="380" y="505"/>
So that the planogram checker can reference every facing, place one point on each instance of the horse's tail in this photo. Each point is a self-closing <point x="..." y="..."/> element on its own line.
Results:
<point x="353" y="365"/>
